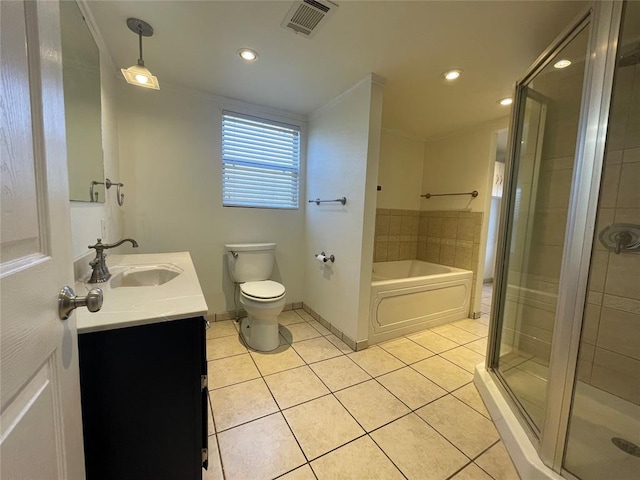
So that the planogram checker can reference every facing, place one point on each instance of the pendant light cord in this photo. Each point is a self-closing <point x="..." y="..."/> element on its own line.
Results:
<point x="140" y="60"/>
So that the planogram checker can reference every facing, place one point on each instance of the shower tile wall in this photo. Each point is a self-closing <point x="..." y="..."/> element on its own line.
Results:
<point x="445" y="237"/>
<point x="609" y="354"/>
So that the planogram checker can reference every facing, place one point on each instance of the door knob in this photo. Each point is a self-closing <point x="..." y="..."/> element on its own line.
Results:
<point x="68" y="301"/>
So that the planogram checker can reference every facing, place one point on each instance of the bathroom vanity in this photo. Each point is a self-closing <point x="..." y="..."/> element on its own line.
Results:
<point x="143" y="371"/>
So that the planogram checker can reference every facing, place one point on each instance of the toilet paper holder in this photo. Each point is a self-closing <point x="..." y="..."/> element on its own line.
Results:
<point x="324" y="258"/>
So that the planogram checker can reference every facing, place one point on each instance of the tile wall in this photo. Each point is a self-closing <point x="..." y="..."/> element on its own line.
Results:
<point x="396" y="235"/>
<point x="445" y="237"/>
<point x="610" y="346"/>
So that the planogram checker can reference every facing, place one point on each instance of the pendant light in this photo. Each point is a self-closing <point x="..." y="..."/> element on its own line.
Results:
<point x="139" y="74"/>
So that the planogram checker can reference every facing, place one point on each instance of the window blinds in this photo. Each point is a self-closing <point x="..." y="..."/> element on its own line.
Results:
<point x="260" y="162"/>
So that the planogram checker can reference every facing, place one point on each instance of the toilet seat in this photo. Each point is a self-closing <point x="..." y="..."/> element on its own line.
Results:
<point x="263" y="291"/>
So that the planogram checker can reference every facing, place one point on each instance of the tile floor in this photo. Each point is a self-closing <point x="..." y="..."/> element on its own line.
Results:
<point x="314" y="409"/>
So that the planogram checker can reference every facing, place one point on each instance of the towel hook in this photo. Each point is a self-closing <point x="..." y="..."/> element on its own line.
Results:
<point x="120" y="196"/>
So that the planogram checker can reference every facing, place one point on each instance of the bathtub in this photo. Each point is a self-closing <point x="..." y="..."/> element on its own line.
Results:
<point x="411" y="295"/>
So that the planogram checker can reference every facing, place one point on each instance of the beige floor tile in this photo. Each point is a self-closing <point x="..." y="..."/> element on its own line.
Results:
<point x="407" y="442"/>
<point x="224" y="347"/>
<point x="241" y="403"/>
<point x="228" y="371"/>
<point x="302" y="473"/>
<point x="497" y="463"/>
<point x="340" y="345"/>
<point x="211" y="427"/>
<point x="340" y="372"/>
<point x="375" y="361"/>
<point x="455" y="334"/>
<point x="406" y="350"/>
<point x="290" y="317"/>
<point x="443" y="373"/>
<point x="411" y="387"/>
<point x="319" y="327"/>
<point x="460" y="424"/>
<point x="371" y="404"/>
<point x="358" y="460"/>
<point x="282" y="358"/>
<point x="431" y="341"/>
<point x="262" y="449"/>
<point x="214" y="471"/>
<point x="471" y="472"/>
<point x="226" y="328"/>
<point x="472" y="326"/>
<point x="298" y="332"/>
<point x="292" y="387"/>
<point x="322" y="425"/>
<point x="464" y="358"/>
<point x="316" y="350"/>
<point x="479" y="346"/>
<point x="469" y="395"/>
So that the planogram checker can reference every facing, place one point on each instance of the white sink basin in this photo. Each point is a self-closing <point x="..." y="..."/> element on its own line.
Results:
<point x="145" y="276"/>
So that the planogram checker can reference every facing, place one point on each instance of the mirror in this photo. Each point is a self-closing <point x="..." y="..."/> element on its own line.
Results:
<point x="82" y="104"/>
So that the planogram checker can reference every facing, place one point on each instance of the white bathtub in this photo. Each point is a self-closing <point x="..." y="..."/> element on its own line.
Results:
<point x="411" y="295"/>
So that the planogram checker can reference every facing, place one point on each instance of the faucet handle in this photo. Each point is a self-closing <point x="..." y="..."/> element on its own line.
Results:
<point x="98" y="244"/>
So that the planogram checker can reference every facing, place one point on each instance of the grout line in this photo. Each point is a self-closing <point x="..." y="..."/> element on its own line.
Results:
<point x="471" y="406"/>
<point x="452" y="476"/>
<point x="368" y="434"/>
<point x="485" y="451"/>
<point x="215" y="433"/>
<point x="281" y="414"/>
<point x="385" y="454"/>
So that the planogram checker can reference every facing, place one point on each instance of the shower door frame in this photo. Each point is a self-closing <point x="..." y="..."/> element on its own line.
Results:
<point x="603" y="19"/>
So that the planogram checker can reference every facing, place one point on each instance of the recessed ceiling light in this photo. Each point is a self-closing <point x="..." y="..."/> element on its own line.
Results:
<point x="452" y="74"/>
<point x="248" y="55"/>
<point x="506" y="101"/>
<point x="562" y="64"/>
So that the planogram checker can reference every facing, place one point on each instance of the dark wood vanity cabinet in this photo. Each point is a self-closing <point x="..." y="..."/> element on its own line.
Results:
<point x="144" y="401"/>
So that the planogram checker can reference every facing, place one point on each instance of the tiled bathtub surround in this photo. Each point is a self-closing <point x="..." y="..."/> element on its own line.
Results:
<point x="313" y="409"/>
<point x="396" y="235"/>
<point x="445" y="237"/>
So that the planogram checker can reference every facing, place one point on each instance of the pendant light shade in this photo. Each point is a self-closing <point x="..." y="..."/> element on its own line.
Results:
<point x="139" y="74"/>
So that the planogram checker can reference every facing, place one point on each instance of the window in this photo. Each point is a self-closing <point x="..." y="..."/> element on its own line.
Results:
<point x="260" y="162"/>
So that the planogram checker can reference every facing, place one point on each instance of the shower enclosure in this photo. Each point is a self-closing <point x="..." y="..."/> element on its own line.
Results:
<point x="562" y="378"/>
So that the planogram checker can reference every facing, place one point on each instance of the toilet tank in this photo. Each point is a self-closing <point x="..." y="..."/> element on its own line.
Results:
<point x="250" y="262"/>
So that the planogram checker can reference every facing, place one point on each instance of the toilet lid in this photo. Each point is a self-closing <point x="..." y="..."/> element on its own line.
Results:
<point x="262" y="289"/>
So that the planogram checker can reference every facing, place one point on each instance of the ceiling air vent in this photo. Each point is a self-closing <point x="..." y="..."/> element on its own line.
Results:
<point x="304" y="17"/>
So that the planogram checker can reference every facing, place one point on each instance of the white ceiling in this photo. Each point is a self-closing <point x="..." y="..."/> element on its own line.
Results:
<point x="410" y="43"/>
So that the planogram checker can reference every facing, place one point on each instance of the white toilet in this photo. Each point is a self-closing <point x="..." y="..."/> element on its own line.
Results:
<point x="250" y="265"/>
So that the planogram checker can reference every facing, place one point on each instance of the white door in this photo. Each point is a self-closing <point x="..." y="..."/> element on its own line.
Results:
<point x="40" y="418"/>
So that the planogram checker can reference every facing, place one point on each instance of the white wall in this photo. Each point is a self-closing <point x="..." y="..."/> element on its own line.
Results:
<point x="87" y="218"/>
<point x="462" y="162"/>
<point x="170" y="151"/>
<point x="343" y="155"/>
<point x="492" y="238"/>
<point x="400" y="171"/>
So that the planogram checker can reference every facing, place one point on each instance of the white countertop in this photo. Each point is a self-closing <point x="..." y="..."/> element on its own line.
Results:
<point x="181" y="297"/>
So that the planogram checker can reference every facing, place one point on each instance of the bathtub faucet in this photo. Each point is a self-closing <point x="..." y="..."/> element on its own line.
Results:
<point x="100" y="271"/>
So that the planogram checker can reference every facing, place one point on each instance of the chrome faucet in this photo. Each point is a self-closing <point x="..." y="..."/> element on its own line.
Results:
<point x="100" y="271"/>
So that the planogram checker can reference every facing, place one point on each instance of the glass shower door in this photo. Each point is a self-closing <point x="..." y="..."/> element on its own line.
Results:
<point x="604" y="427"/>
<point x="546" y="135"/>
